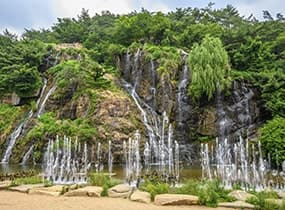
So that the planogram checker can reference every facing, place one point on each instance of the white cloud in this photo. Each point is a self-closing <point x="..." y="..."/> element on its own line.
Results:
<point x="71" y="8"/>
<point x="256" y="7"/>
<point x="153" y="5"/>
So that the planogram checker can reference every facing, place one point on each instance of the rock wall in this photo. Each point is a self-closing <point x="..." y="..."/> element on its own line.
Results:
<point x="236" y="112"/>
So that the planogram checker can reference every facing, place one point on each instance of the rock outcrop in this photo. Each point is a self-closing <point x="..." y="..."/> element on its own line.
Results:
<point x="175" y="199"/>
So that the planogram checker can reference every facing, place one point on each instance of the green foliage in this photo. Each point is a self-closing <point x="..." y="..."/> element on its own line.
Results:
<point x="209" y="192"/>
<point x="272" y="137"/>
<point x="102" y="180"/>
<point x="28" y="180"/>
<point x="49" y="126"/>
<point x="19" y="65"/>
<point x="210" y="68"/>
<point x="8" y="115"/>
<point x="168" y="58"/>
<point x="154" y="188"/>
<point x="260" y="202"/>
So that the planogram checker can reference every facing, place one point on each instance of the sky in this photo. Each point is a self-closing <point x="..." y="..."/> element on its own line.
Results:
<point x="15" y="15"/>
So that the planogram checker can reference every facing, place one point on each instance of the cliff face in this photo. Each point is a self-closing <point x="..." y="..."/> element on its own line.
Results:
<point x="237" y="112"/>
<point x="116" y="112"/>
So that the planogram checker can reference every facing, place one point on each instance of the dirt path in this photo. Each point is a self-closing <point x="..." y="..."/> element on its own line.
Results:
<point x="21" y="201"/>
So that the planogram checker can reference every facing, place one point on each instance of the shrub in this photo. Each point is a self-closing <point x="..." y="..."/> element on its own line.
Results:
<point x="29" y="180"/>
<point x="154" y="188"/>
<point x="209" y="192"/>
<point x="102" y="180"/>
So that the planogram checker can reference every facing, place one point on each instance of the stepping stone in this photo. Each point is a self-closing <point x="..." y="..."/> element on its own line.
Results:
<point x="236" y="205"/>
<point x="43" y="191"/>
<point x="281" y="194"/>
<point x="55" y="190"/>
<point x="241" y="195"/>
<point x="140" y="196"/>
<point x="5" y="184"/>
<point x="26" y="187"/>
<point x="175" y="199"/>
<point x="120" y="191"/>
<point x="91" y="191"/>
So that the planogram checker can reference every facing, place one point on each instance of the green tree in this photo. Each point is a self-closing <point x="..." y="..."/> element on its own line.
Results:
<point x="272" y="137"/>
<point x="210" y="68"/>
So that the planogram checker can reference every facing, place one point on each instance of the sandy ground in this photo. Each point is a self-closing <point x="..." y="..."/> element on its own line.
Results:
<point x="21" y="201"/>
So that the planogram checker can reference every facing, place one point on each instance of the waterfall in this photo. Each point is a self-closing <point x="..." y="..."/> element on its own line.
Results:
<point x="182" y="91"/>
<point x="14" y="136"/>
<point x="43" y="102"/>
<point x="153" y="83"/>
<point x="137" y="71"/>
<point x="20" y="130"/>
<point x="159" y="150"/>
<point x="27" y="155"/>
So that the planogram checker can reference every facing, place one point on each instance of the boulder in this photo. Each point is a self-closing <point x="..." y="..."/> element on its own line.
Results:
<point x="5" y="184"/>
<point x="175" y="199"/>
<point x="281" y="194"/>
<point x="25" y="188"/>
<point x="142" y="197"/>
<point x="241" y="195"/>
<point x="120" y="191"/>
<point x="236" y="205"/>
<point x="43" y="191"/>
<point x="90" y="191"/>
<point x="55" y="190"/>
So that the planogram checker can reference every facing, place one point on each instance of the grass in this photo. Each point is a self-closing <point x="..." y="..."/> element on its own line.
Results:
<point x="102" y="180"/>
<point x="210" y="193"/>
<point x="29" y="180"/>
<point x="154" y="188"/>
<point x="261" y="203"/>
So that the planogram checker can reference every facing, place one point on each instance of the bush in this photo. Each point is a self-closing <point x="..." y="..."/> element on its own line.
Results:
<point x="260" y="202"/>
<point x="29" y="180"/>
<point x="154" y="188"/>
<point x="209" y="192"/>
<point x="102" y="180"/>
<point x="272" y="137"/>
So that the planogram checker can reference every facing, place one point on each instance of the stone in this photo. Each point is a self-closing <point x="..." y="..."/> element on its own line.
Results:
<point x="43" y="191"/>
<point x="236" y="205"/>
<point x="207" y="120"/>
<point x="5" y="184"/>
<point x="241" y="195"/>
<point x="281" y="194"/>
<point x="90" y="191"/>
<point x="25" y="188"/>
<point x="175" y="199"/>
<point x="120" y="191"/>
<point x="274" y="201"/>
<point x="55" y="190"/>
<point x="142" y="197"/>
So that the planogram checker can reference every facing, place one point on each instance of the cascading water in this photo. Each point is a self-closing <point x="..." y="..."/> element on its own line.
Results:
<point x="66" y="163"/>
<point x="43" y="102"/>
<point x="238" y="161"/>
<point x="27" y="155"/>
<point x="19" y="131"/>
<point x="14" y="136"/>
<point x="153" y="83"/>
<point x="158" y="153"/>
<point x="182" y="91"/>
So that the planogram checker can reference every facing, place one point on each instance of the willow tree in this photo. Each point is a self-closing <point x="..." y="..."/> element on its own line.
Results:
<point x="210" y="68"/>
